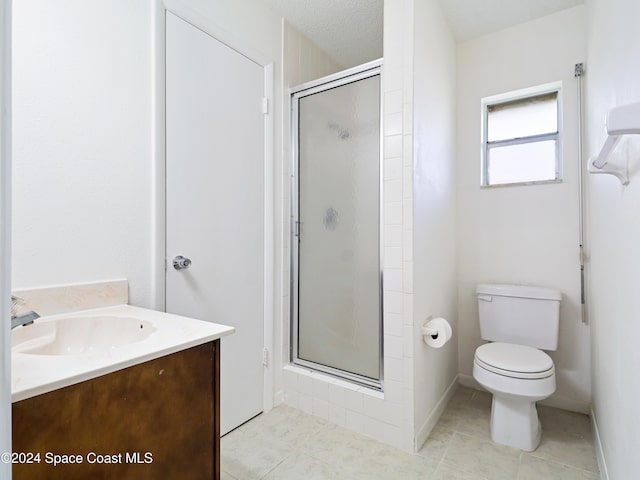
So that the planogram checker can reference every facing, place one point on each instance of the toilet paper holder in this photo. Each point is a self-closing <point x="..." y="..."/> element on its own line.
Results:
<point x="432" y="332"/>
<point x="436" y="332"/>
<point x="429" y="331"/>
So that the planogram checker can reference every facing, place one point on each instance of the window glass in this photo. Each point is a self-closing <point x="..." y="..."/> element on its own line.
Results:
<point x="521" y="137"/>
<point x="523" y="118"/>
<point x="527" y="162"/>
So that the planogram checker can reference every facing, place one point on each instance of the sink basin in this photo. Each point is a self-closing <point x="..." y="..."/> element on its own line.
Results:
<point x="79" y="335"/>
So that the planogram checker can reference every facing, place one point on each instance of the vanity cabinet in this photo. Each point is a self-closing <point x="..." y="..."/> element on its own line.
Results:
<point x="156" y="420"/>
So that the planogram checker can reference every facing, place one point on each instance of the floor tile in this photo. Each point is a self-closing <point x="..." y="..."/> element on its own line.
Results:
<point x="569" y="449"/>
<point x="287" y="443"/>
<point x="475" y="422"/>
<point x="246" y="459"/>
<point x="554" y="419"/>
<point x="226" y="476"/>
<point x="566" y="436"/>
<point x="532" y="468"/>
<point x="436" y="445"/>
<point x="468" y="412"/>
<point x="299" y="466"/>
<point x="451" y="418"/>
<point x="482" y="457"/>
<point x="447" y="472"/>
<point x="481" y="400"/>
<point x="460" y="398"/>
<point x="338" y="446"/>
<point x="285" y="425"/>
<point x="387" y="463"/>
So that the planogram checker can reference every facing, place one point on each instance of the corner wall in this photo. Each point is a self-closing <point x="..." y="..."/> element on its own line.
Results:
<point x="522" y="234"/>
<point x="612" y="77"/>
<point x="434" y="281"/>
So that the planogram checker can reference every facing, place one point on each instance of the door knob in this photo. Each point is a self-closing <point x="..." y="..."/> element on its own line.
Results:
<point x="180" y="262"/>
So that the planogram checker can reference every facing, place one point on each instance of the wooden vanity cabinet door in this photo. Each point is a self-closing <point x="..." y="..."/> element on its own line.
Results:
<point x="155" y="420"/>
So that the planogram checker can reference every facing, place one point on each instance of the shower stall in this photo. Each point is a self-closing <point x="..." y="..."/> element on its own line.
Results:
<point x="336" y="276"/>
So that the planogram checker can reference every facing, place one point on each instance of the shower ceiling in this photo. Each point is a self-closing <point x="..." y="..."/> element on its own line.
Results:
<point x="351" y="30"/>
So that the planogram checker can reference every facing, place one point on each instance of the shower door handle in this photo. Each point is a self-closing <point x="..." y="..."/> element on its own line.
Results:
<point x="181" y="263"/>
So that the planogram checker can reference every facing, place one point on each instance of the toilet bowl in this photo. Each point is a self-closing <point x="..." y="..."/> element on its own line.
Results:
<point x="518" y="376"/>
<point x="519" y="321"/>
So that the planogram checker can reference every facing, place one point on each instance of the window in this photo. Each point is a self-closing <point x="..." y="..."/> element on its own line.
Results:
<point x="521" y="137"/>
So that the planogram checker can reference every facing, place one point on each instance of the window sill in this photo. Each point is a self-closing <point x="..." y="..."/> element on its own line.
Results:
<point x="521" y="184"/>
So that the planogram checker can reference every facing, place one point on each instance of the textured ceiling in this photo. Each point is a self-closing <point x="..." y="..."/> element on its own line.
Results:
<point x="348" y="30"/>
<point x="351" y="30"/>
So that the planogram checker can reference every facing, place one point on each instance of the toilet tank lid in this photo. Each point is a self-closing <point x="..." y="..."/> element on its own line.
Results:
<point x="521" y="291"/>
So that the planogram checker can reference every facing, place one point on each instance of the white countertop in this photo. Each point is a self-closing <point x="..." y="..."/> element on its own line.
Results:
<point x="36" y="374"/>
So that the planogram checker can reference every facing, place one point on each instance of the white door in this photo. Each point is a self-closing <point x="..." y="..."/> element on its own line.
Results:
<point x="215" y="203"/>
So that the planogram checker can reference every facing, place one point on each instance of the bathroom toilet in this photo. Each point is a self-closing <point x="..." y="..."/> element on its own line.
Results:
<point x="520" y="322"/>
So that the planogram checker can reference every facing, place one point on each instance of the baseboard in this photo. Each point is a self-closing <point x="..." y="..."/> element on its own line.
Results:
<point x="597" y="443"/>
<point x="556" y="401"/>
<point x="436" y="413"/>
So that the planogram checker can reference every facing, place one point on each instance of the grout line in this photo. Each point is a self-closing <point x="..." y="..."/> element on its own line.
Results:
<point x="300" y="445"/>
<point x="446" y="450"/>
<point x="558" y="463"/>
<point x="276" y="466"/>
<point x="519" y="465"/>
<point x="222" y="470"/>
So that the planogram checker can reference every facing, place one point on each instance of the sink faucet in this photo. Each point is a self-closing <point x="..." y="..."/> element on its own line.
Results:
<point x="25" y="318"/>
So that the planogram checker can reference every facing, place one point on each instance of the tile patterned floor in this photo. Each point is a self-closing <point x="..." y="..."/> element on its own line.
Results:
<point x="287" y="444"/>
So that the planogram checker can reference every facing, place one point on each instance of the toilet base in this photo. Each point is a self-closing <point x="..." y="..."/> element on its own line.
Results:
<point x="515" y="423"/>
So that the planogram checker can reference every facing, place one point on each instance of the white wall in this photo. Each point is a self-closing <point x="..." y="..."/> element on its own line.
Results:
<point x="5" y="232"/>
<point x="434" y="208"/>
<point x="82" y="132"/>
<point x="522" y="234"/>
<point x="613" y="77"/>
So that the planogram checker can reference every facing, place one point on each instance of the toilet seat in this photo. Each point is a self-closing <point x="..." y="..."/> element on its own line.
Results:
<point x="515" y="361"/>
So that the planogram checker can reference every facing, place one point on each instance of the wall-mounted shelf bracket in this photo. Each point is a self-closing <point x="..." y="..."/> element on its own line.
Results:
<point x="622" y="120"/>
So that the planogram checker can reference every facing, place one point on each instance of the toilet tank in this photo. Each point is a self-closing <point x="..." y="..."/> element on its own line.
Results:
<point x="519" y="314"/>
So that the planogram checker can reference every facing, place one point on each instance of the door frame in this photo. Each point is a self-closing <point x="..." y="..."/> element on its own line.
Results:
<point x="338" y="79"/>
<point x="158" y="241"/>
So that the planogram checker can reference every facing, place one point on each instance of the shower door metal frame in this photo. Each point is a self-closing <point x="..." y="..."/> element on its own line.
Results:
<point x="329" y="82"/>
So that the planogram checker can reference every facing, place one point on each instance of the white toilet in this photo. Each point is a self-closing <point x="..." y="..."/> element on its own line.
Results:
<point x="520" y="321"/>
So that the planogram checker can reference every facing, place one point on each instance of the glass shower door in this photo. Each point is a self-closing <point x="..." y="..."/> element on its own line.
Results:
<point x="337" y="323"/>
